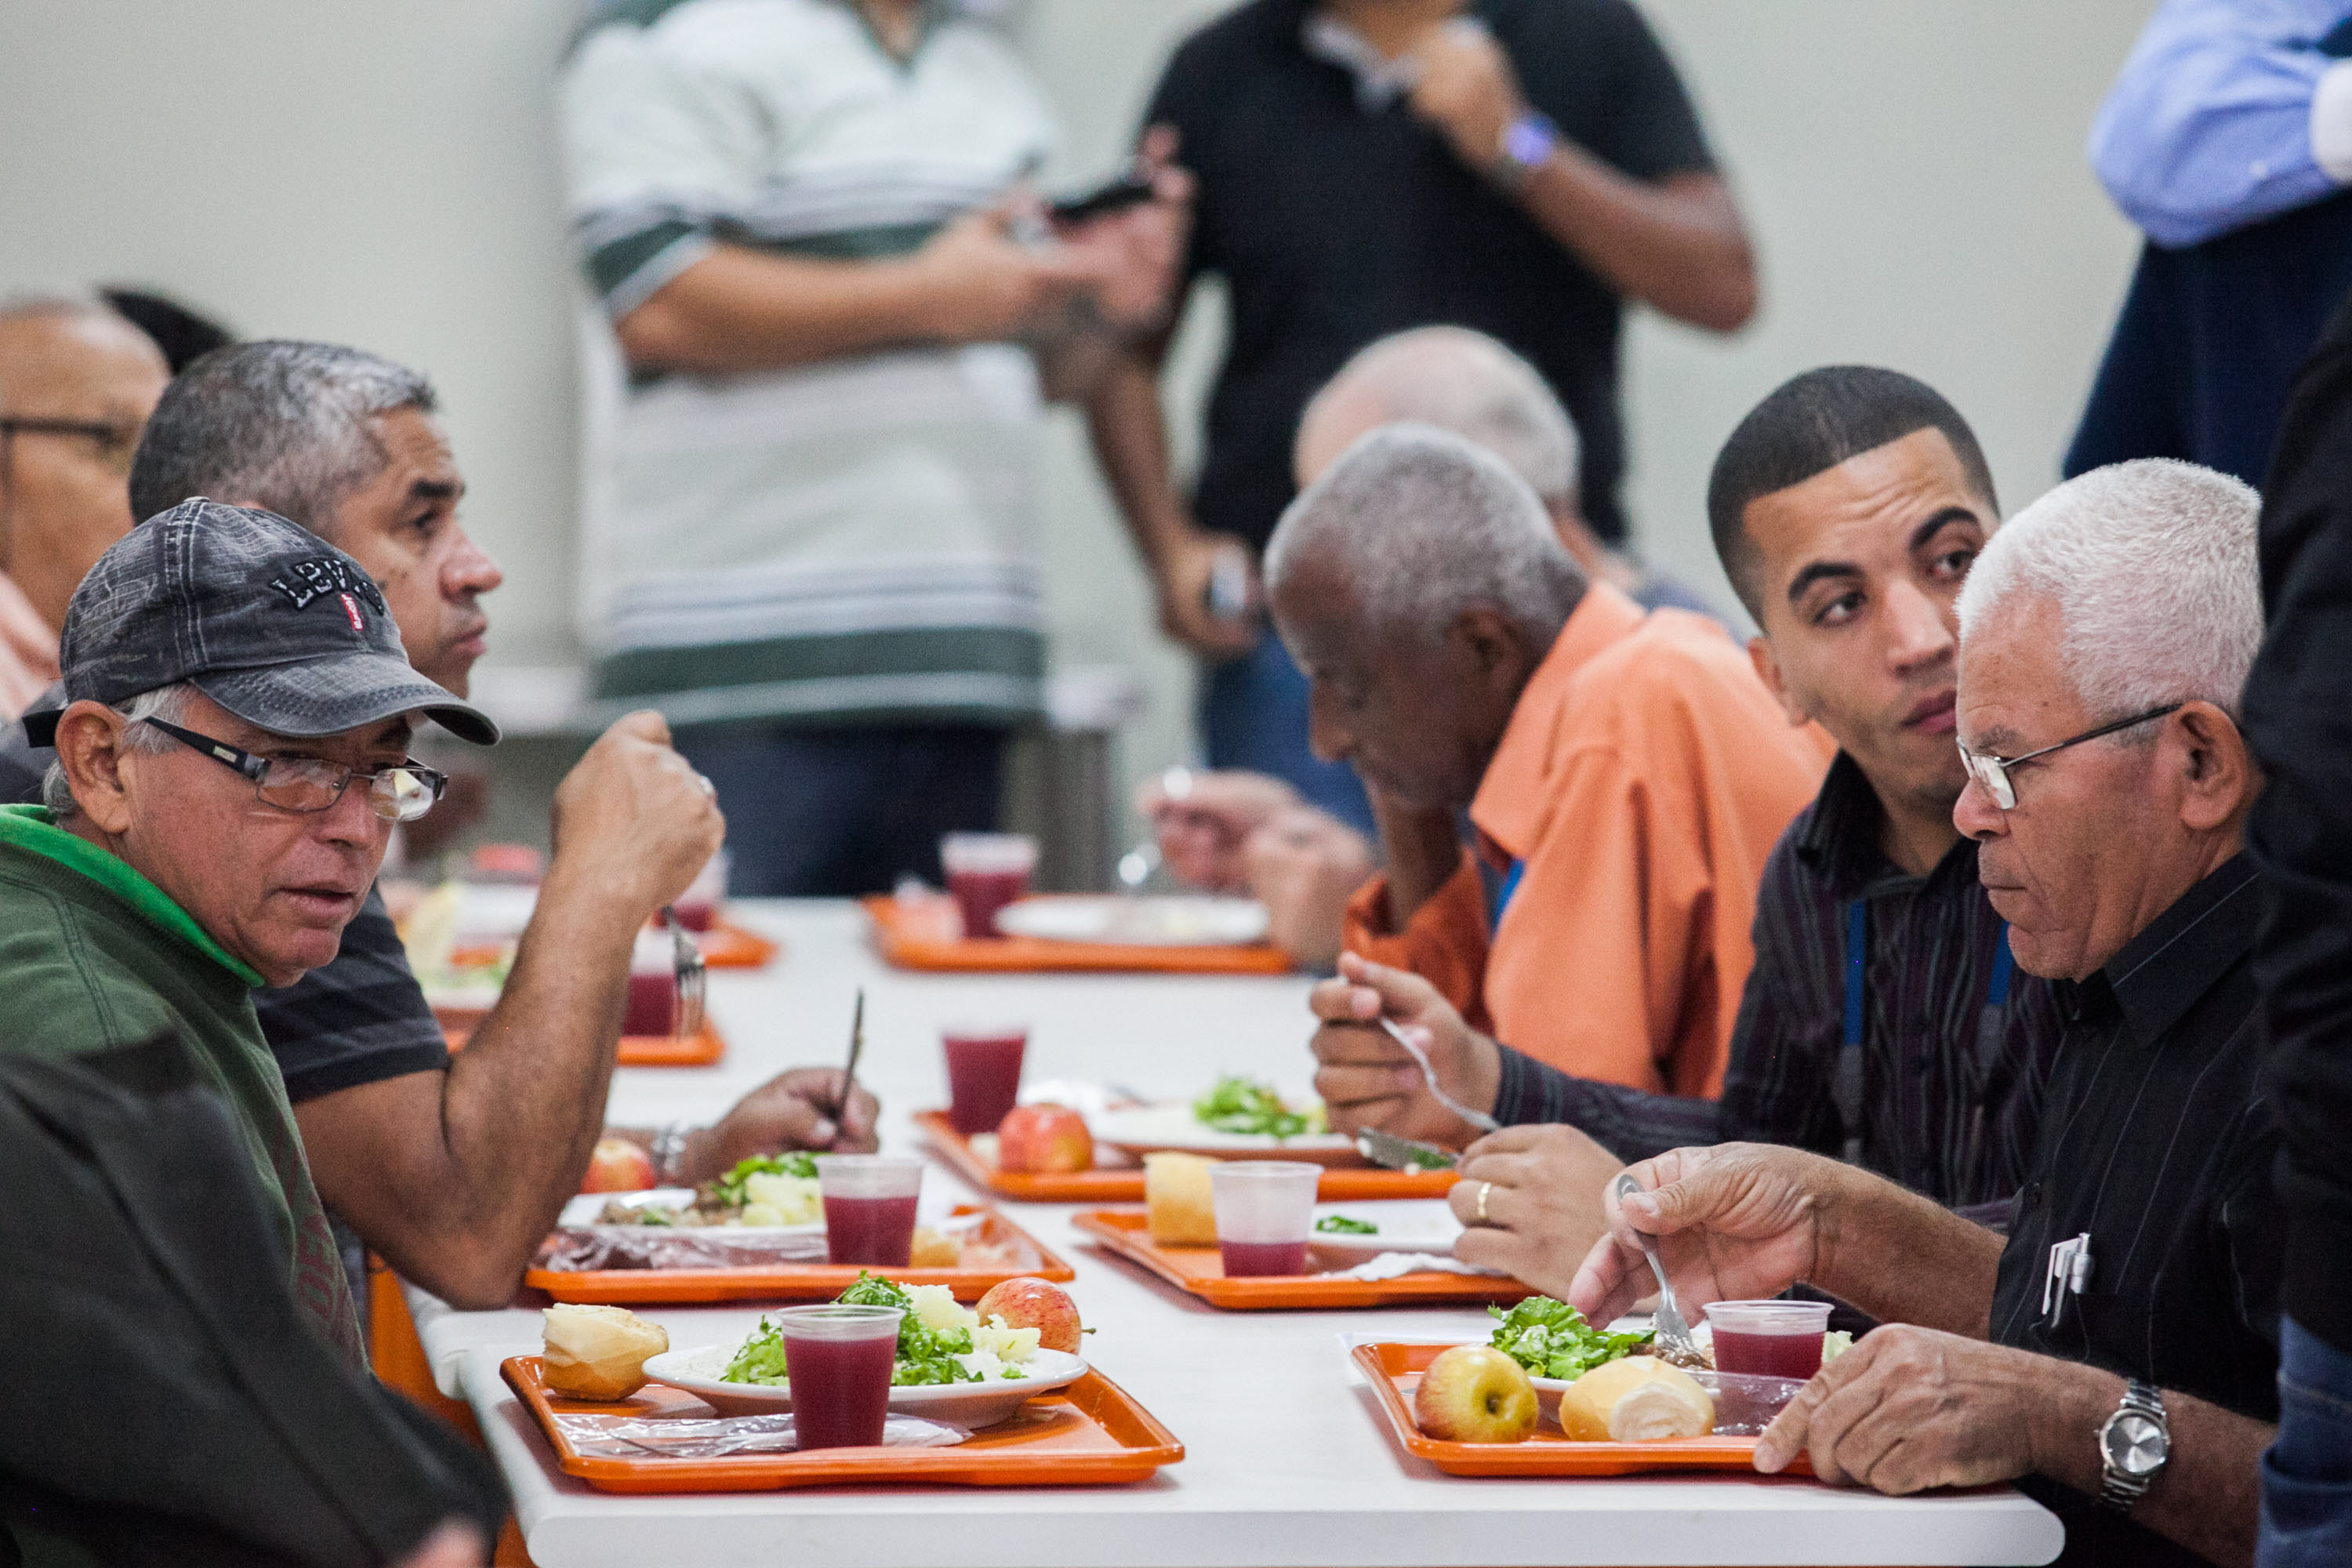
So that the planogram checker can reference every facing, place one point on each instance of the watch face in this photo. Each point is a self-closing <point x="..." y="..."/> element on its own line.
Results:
<point x="2135" y="1445"/>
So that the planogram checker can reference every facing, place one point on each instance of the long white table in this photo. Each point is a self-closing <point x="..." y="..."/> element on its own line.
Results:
<point x="1286" y="1462"/>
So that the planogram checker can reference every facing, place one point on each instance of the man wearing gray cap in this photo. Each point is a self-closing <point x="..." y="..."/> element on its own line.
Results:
<point x="230" y="678"/>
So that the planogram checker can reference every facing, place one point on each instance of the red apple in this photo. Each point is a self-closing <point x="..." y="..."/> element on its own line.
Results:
<point x="1029" y="1303"/>
<point x="1044" y="1138"/>
<point x="1476" y="1394"/>
<point x="618" y="1165"/>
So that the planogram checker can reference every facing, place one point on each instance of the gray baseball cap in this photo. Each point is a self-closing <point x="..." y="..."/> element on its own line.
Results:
<point x="262" y="615"/>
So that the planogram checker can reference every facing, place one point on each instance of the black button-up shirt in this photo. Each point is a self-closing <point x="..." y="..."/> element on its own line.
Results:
<point x="1950" y="1088"/>
<point x="2158" y="1140"/>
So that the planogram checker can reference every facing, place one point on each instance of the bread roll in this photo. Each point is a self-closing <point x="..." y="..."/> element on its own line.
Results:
<point x="1176" y="1198"/>
<point x="598" y="1353"/>
<point x="931" y="1249"/>
<point x="1636" y="1400"/>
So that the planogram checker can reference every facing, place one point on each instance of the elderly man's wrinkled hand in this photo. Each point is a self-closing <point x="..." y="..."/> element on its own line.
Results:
<point x="634" y="823"/>
<point x="1531" y="1198"/>
<point x="799" y="1109"/>
<point x="1304" y="865"/>
<point x="1736" y="1222"/>
<point x="1367" y="1079"/>
<point x="1910" y="1408"/>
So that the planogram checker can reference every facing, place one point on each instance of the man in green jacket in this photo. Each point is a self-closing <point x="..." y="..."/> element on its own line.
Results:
<point x="230" y="678"/>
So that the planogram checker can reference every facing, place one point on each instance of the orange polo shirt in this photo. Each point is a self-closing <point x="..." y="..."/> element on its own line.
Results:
<point x="1643" y="778"/>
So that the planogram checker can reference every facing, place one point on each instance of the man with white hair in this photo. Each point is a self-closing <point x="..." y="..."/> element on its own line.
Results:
<point x="1627" y="774"/>
<point x="2119" y="1355"/>
<point x="1234" y="831"/>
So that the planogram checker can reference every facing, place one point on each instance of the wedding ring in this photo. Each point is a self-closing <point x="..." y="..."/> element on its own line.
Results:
<point x="1483" y="1188"/>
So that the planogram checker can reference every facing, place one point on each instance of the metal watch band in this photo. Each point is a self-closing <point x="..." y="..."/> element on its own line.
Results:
<point x="1527" y="146"/>
<point x="668" y="1150"/>
<point x="2122" y="1488"/>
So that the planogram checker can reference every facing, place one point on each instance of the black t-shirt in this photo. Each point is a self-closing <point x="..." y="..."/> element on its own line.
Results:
<point x="360" y="1019"/>
<point x="1333" y="225"/>
<point x="2158" y="1140"/>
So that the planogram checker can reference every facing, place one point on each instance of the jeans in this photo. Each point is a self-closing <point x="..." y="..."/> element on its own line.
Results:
<point x="1254" y="715"/>
<point x="837" y="812"/>
<point x="2308" y="1474"/>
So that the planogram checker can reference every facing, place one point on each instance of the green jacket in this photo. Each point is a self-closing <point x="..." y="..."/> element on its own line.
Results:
<point x="94" y="956"/>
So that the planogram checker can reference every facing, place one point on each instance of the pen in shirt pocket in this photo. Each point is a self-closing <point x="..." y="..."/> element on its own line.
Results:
<point x="2068" y="1274"/>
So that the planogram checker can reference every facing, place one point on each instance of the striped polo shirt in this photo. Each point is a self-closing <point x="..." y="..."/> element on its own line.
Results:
<point x="847" y="539"/>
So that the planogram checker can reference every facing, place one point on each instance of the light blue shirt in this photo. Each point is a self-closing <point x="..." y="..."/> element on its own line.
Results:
<point x="2209" y="124"/>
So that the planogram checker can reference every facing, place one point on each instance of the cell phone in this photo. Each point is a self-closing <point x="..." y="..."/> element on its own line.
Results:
<point x="1127" y="191"/>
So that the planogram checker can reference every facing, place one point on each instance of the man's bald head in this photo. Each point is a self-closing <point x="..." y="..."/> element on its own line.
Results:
<point x="1456" y="380"/>
<point x="77" y="384"/>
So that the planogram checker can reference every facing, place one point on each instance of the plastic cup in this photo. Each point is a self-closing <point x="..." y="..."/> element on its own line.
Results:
<point x="653" y="986"/>
<point x="869" y="1208"/>
<point x="986" y="871"/>
<point x="1264" y="1210"/>
<point x="1769" y="1339"/>
<point x="838" y="1360"/>
<point x="697" y="907"/>
<point x="983" y="1074"/>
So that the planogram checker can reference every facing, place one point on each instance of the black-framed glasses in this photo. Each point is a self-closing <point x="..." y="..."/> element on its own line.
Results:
<point x="402" y="794"/>
<point x="115" y="444"/>
<point x="1993" y="772"/>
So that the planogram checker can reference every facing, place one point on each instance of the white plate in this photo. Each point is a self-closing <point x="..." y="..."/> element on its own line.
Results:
<point x="583" y="1210"/>
<point x="1137" y="922"/>
<point x="973" y="1404"/>
<point x="1417" y="1225"/>
<point x="1173" y="1126"/>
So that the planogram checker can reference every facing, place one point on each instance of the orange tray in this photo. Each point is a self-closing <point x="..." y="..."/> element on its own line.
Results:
<point x="702" y="1050"/>
<point x="727" y="945"/>
<point x="1118" y="1184"/>
<point x="1200" y="1270"/>
<point x="1394" y="1370"/>
<point x="925" y="935"/>
<point x="1092" y="1433"/>
<point x="799" y="1282"/>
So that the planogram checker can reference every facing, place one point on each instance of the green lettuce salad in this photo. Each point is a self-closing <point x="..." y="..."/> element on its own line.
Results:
<point x="728" y="1191"/>
<point x="932" y="1335"/>
<point x="1341" y="1225"/>
<point x="1551" y="1339"/>
<point x="1241" y="1105"/>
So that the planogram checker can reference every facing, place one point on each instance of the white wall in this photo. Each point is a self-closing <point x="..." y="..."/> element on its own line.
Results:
<point x="385" y="174"/>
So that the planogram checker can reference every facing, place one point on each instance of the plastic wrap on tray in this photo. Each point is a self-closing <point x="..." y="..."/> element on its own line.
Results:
<point x="629" y="1436"/>
<point x="584" y="1248"/>
<point x="1745" y="1403"/>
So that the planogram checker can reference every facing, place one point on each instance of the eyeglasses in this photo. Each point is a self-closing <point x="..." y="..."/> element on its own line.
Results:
<point x="115" y="444"/>
<point x="308" y="784"/>
<point x="1993" y="772"/>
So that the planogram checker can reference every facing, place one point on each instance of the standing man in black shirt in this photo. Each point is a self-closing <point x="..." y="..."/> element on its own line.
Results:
<point x="2301" y="836"/>
<point x="2117" y="1355"/>
<point x="1519" y="166"/>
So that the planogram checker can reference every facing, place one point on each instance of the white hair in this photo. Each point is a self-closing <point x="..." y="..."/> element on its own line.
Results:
<point x="2152" y="566"/>
<point x="1430" y="525"/>
<point x="1465" y="382"/>
<point x="169" y="703"/>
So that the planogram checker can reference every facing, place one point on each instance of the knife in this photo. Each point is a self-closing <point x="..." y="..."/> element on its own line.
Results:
<point x="1392" y="1152"/>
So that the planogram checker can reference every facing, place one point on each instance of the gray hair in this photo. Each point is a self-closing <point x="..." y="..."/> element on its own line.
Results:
<point x="1468" y="382"/>
<point x="278" y="425"/>
<point x="169" y="703"/>
<point x="1432" y="524"/>
<point x="2152" y="566"/>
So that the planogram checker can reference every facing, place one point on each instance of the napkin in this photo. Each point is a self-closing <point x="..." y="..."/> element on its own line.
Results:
<point x="628" y="1436"/>
<point x="1391" y="1265"/>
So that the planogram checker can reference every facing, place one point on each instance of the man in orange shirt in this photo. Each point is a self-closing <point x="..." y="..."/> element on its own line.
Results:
<point x="1627" y="774"/>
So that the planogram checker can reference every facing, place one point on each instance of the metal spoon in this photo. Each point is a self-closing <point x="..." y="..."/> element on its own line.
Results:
<point x="1135" y="866"/>
<point x="1673" y="1336"/>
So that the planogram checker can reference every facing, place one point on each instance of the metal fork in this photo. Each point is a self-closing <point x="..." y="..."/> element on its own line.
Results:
<point x="1671" y="1332"/>
<point x="693" y="975"/>
<point x="1478" y="1119"/>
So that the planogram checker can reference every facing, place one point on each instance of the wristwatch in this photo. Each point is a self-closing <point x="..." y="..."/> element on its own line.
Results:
<point x="1527" y="146"/>
<point x="2133" y="1445"/>
<point x="668" y="1152"/>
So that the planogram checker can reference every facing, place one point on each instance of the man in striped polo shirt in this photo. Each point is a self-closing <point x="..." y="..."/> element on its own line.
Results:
<point x="813" y="538"/>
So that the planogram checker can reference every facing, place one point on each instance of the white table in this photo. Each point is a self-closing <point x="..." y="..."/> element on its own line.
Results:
<point x="1286" y="1461"/>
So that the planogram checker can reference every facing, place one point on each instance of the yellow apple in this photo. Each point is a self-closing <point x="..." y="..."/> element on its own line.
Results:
<point x="1475" y="1393"/>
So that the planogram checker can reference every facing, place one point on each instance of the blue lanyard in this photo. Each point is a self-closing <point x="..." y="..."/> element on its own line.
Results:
<point x="1846" y="1086"/>
<point x="1503" y="894"/>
